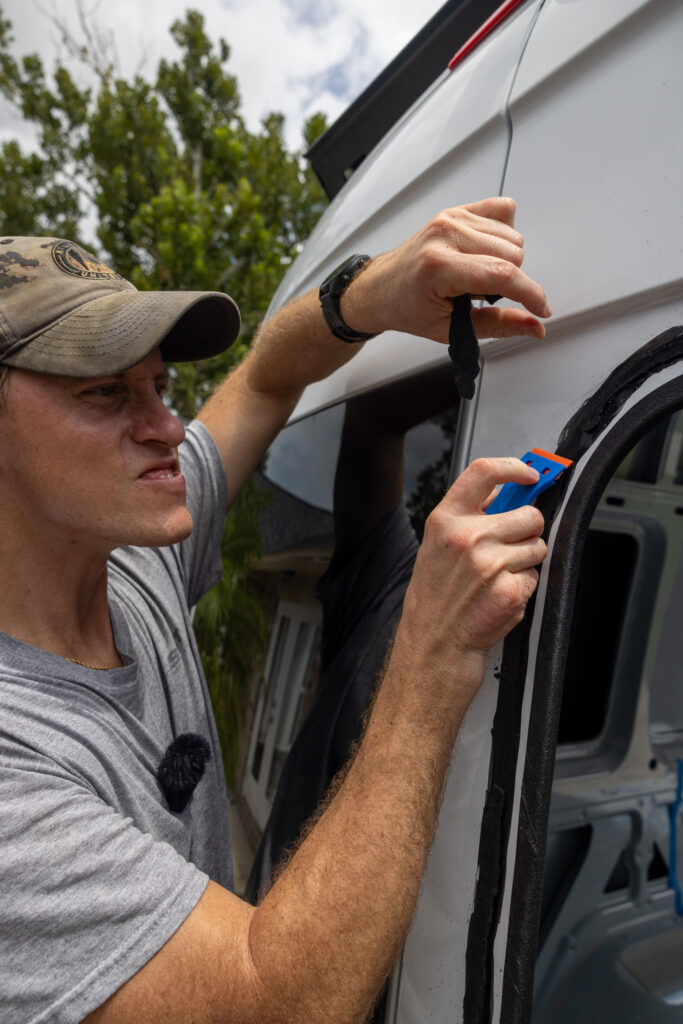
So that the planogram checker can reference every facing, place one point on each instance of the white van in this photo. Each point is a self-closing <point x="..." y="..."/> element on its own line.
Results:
<point x="551" y="893"/>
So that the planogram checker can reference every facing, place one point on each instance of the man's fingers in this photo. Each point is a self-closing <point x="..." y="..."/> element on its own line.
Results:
<point x="487" y="501"/>
<point x="484" y="243"/>
<point x="518" y="525"/>
<point x="491" y="226"/>
<point x="474" y="485"/>
<point x="492" y="322"/>
<point x="461" y="218"/>
<point x="529" y="580"/>
<point x="473" y="249"/>
<point x="491" y="275"/>
<point x="525" y="554"/>
<point x="497" y="207"/>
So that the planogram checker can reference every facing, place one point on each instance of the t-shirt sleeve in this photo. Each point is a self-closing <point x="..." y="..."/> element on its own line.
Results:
<point x="87" y="898"/>
<point x="200" y="554"/>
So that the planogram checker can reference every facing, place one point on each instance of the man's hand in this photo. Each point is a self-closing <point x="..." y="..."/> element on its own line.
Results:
<point x="473" y="578"/>
<point x="471" y="249"/>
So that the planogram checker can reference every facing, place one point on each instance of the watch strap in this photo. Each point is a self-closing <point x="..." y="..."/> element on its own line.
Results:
<point x="330" y="294"/>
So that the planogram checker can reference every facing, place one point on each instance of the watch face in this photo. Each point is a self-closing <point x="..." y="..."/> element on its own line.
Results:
<point x="343" y="274"/>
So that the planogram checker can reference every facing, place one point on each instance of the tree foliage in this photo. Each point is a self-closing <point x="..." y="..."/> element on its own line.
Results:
<point x="184" y="195"/>
<point x="232" y="612"/>
<point x="179" y="194"/>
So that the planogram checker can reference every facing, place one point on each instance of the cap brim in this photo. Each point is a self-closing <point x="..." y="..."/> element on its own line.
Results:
<point x="110" y="334"/>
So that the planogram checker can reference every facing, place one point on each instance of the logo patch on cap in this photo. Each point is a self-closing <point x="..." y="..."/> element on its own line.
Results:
<point x="76" y="261"/>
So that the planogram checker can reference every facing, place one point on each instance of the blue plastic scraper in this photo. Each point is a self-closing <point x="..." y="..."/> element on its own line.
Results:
<point x="550" y="468"/>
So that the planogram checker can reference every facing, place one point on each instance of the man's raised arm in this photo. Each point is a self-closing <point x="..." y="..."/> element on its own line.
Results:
<point x="471" y="249"/>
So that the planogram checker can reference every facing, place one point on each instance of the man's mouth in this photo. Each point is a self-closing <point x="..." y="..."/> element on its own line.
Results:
<point x="162" y="471"/>
<point x="158" y="474"/>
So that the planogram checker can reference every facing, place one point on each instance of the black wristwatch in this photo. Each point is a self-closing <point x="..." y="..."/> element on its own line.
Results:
<point x="331" y="291"/>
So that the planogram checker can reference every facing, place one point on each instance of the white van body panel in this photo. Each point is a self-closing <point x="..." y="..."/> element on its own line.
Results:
<point x="595" y="167"/>
<point x="535" y="387"/>
<point x="597" y="150"/>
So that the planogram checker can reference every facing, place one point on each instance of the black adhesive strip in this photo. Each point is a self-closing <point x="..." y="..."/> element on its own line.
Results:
<point x="539" y="766"/>
<point x="595" y="413"/>
<point x="478" y="960"/>
<point x="463" y="346"/>
<point x="495" y="830"/>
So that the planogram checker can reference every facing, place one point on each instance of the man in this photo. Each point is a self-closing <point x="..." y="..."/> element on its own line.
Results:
<point x="116" y="902"/>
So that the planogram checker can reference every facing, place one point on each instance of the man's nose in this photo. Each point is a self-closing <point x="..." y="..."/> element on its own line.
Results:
<point x="153" y="421"/>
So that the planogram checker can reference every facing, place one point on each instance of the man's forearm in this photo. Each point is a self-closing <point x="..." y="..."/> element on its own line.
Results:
<point x="296" y="347"/>
<point x="339" y="910"/>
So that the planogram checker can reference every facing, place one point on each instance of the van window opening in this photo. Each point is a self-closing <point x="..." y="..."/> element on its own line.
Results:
<point x="349" y="490"/>
<point x="646" y="490"/>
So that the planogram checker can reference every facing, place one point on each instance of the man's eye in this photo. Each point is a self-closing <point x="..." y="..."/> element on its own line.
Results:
<point x="103" y="391"/>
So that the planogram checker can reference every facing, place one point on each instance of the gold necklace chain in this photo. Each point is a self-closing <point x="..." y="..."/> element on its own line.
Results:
<point x="98" y="668"/>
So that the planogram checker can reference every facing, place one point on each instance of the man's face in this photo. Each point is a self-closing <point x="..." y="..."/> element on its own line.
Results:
<point x="93" y="461"/>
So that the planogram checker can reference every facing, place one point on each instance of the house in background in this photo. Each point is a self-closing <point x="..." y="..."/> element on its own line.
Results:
<point x="297" y="544"/>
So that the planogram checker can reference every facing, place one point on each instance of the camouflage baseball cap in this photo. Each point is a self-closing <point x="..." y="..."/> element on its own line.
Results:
<point x="64" y="312"/>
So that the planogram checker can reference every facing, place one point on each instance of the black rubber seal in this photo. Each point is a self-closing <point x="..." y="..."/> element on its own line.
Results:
<point x="594" y="415"/>
<point x="579" y="433"/>
<point x="527" y="886"/>
<point x="495" y="829"/>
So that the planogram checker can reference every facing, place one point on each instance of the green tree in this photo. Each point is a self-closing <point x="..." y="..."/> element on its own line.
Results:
<point x="230" y="630"/>
<point x="182" y="196"/>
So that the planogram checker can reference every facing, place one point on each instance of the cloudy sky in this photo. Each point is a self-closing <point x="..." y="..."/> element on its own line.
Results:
<point x="293" y="56"/>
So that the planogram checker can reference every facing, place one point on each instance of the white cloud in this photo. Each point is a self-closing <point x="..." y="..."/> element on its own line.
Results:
<point x="293" y="56"/>
<point x="312" y="12"/>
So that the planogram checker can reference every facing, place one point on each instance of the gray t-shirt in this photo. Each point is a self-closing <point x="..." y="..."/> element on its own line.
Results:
<point x="96" y="873"/>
